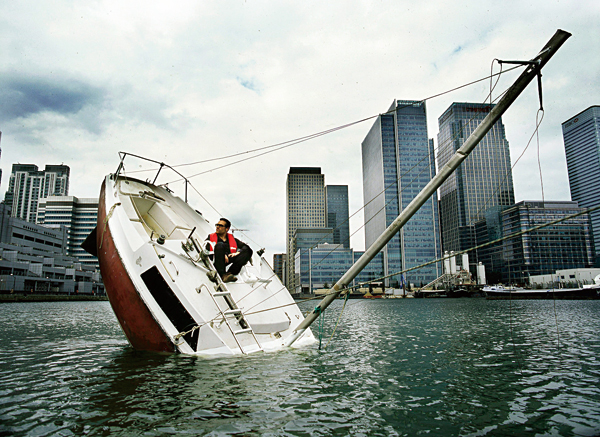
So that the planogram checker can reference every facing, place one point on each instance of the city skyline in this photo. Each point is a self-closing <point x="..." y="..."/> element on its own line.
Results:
<point x="351" y="212"/>
<point x="340" y="191"/>
<point x="159" y="84"/>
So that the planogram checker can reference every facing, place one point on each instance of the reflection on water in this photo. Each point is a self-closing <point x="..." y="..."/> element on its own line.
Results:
<point x="396" y="367"/>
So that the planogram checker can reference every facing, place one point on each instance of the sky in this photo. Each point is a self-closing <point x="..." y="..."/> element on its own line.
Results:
<point x="190" y="81"/>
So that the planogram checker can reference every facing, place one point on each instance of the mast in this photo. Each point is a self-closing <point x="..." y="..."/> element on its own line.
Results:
<point x="533" y="69"/>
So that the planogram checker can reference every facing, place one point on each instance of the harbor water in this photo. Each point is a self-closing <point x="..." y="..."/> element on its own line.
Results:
<point x="403" y="367"/>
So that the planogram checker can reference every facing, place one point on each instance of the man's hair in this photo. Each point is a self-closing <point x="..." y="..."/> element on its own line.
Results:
<point x="227" y="222"/>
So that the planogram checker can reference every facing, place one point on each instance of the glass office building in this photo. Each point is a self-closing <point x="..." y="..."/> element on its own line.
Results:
<point x="304" y="240"/>
<point x="279" y="260"/>
<point x="581" y="135"/>
<point x="337" y="213"/>
<point x="398" y="161"/>
<point x="483" y="180"/>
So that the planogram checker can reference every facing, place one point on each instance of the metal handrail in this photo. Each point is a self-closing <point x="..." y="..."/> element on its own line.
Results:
<point x="123" y="155"/>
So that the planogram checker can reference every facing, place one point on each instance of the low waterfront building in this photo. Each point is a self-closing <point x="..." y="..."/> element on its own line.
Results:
<point x="305" y="239"/>
<point x="569" y="278"/>
<point x="373" y="271"/>
<point x="564" y="245"/>
<point x="33" y="260"/>
<point x="322" y="266"/>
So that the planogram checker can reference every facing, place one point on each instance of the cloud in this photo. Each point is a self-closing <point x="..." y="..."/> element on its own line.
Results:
<point x="248" y="83"/>
<point x="24" y="96"/>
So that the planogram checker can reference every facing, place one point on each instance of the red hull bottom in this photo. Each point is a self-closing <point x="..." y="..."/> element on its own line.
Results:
<point x="139" y="326"/>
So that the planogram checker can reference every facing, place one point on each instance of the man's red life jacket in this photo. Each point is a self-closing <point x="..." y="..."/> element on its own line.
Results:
<point x="232" y="244"/>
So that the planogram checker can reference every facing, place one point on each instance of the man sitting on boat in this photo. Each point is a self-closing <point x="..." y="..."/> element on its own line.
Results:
<point x="228" y="250"/>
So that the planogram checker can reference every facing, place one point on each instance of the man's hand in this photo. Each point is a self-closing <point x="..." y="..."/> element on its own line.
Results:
<point x="228" y="257"/>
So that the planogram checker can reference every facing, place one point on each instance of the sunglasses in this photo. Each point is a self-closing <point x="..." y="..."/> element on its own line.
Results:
<point x="219" y="225"/>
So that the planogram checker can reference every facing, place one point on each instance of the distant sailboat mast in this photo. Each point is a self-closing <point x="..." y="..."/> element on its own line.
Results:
<point x="534" y="68"/>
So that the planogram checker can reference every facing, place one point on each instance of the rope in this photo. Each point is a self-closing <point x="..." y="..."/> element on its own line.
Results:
<point x="285" y="144"/>
<point x="510" y="324"/>
<point x="106" y="219"/>
<point x="321" y="323"/>
<point x="184" y="333"/>
<point x="338" y="320"/>
<point x="543" y="200"/>
<point x="318" y="134"/>
<point x="501" y="183"/>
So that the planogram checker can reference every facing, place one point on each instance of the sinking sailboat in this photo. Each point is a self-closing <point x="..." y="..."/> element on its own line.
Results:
<point x="162" y="284"/>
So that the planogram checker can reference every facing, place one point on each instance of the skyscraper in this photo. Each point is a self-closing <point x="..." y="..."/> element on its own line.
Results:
<point x="581" y="135"/>
<point x="398" y="161"/>
<point x="337" y="213"/>
<point x="78" y="216"/>
<point x="482" y="181"/>
<point x="27" y="186"/>
<point x="305" y="199"/>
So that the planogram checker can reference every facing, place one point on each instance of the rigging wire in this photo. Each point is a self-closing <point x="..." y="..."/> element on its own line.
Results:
<point x="427" y="156"/>
<point x="538" y="122"/>
<point x="285" y="144"/>
<point x="543" y="201"/>
<point x="312" y="136"/>
<point x="319" y="134"/>
<point x="404" y="187"/>
<point x="338" y="320"/>
<point x="507" y="174"/>
<point x="382" y="192"/>
<point x="414" y="268"/>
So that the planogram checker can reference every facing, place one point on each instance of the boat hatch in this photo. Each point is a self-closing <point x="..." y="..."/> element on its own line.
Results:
<point x="159" y="218"/>
<point x="276" y="323"/>
<point x="170" y="304"/>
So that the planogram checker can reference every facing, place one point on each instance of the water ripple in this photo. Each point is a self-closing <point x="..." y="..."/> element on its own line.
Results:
<point x="400" y="368"/>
